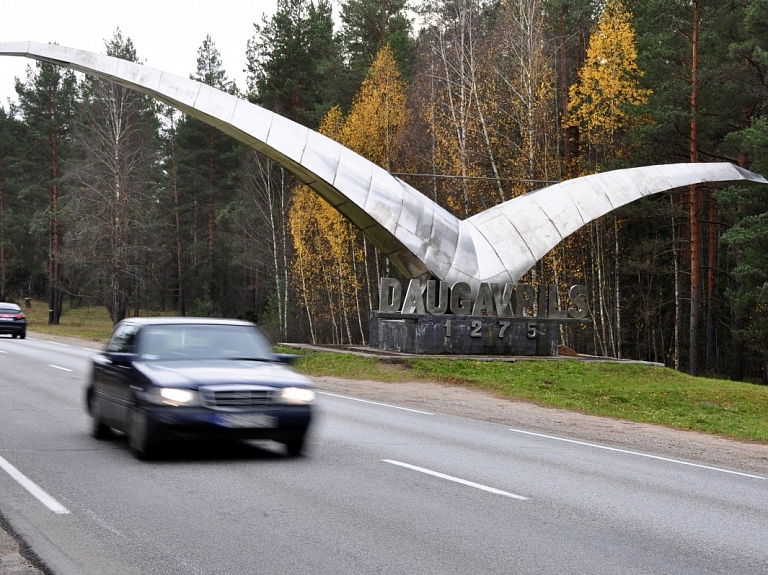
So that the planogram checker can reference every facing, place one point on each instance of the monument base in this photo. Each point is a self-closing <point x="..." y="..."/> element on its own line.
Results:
<point x="464" y="335"/>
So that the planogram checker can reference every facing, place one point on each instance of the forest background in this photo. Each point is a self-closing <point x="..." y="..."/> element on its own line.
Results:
<point x="109" y="198"/>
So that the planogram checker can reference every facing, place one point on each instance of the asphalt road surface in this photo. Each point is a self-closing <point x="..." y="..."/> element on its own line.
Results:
<point x="382" y="490"/>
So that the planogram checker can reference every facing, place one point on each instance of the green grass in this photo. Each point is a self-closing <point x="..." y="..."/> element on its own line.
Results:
<point x="625" y="391"/>
<point x="91" y="323"/>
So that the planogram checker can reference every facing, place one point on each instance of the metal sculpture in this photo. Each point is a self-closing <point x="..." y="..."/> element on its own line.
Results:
<point x="421" y="238"/>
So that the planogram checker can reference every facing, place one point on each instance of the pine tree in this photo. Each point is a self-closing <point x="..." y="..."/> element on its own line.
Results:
<point x="47" y="104"/>
<point x="217" y="160"/>
<point x="369" y="25"/>
<point x="294" y="62"/>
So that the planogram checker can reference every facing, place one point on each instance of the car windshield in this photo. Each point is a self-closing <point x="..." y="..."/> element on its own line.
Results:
<point x="9" y="308"/>
<point x="164" y="342"/>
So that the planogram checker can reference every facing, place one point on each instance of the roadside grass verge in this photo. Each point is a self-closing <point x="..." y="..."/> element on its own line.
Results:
<point x="624" y="391"/>
<point x="87" y="322"/>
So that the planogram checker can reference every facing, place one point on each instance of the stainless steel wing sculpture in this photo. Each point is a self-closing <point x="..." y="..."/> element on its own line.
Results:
<point x="421" y="238"/>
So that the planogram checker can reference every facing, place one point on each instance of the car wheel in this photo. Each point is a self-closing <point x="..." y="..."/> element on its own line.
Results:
<point x="295" y="446"/>
<point x="14" y="335"/>
<point x="23" y="335"/>
<point x="140" y="438"/>
<point x="99" y="429"/>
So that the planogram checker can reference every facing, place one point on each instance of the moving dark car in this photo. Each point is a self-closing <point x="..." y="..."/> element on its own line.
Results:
<point x="170" y="379"/>
<point x="12" y="320"/>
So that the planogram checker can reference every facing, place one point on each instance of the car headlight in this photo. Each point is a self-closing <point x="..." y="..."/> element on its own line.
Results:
<point x="174" y="396"/>
<point x="298" y="395"/>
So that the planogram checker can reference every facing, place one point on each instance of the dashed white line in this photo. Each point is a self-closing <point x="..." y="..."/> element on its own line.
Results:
<point x="32" y="487"/>
<point x="456" y="479"/>
<point x="375" y="403"/>
<point x="59" y="367"/>
<point x="638" y="453"/>
<point x="57" y="343"/>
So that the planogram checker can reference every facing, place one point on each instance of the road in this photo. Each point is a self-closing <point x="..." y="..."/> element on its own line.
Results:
<point x="382" y="490"/>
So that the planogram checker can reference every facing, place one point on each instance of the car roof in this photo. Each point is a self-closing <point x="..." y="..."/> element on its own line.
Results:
<point x="142" y="321"/>
<point x="9" y="305"/>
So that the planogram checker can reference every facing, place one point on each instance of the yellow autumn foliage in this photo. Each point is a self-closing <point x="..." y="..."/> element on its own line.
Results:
<point x="609" y="82"/>
<point x="329" y="261"/>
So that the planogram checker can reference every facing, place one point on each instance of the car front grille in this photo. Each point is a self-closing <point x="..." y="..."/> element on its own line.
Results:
<point x="237" y="397"/>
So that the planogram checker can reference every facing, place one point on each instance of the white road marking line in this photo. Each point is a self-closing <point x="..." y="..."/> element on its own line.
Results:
<point x="91" y="349"/>
<point x="456" y="479"/>
<point x="639" y="453"/>
<point x="57" y="343"/>
<point x="30" y="486"/>
<point x="1" y="351"/>
<point x="58" y="367"/>
<point x="375" y="403"/>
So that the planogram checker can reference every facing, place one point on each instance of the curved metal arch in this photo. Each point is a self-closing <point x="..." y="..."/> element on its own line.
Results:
<point x="421" y="238"/>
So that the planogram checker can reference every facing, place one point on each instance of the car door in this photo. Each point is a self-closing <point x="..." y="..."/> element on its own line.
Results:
<point x="113" y="374"/>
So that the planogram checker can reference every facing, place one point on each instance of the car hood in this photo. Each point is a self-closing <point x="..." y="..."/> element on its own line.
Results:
<point x="192" y="374"/>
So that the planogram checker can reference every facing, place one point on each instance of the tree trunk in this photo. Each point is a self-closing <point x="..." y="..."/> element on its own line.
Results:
<point x="694" y="204"/>
<point x="179" y="253"/>
<point x="711" y="276"/>
<point x="2" y="238"/>
<point x="563" y="88"/>
<point x="54" y="305"/>
<point x="678" y="281"/>
<point x="211" y="226"/>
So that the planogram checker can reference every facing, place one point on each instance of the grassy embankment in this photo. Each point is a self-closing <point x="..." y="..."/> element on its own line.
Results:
<point x="626" y="391"/>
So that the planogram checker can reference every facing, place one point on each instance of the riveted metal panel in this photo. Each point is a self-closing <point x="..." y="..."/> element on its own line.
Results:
<point x="288" y="137"/>
<point x="80" y="60"/>
<point x="385" y="200"/>
<point x="438" y="262"/>
<point x="16" y="49"/>
<point x="417" y="215"/>
<point x="535" y="227"/>
<point x="142" y="78"/>
<point x="560" y="209"/>
<point x="321" y="156"/>
<point x="252" y="120"/>
<point x="509" y="246"/>
<point x="180" y="90"/>
<point x="353" y="176"/>
<point x="465" y="259"/>
<point x="454" y="276"/>
<point x="410" y="240"/>
<point x="621" y="189"/>
<point x="488" y="261"/>
<point x="217" y="105"/>
<point x="407" y="264"/>
<point x="444" y="235"/>
<point x="591" y="201"/>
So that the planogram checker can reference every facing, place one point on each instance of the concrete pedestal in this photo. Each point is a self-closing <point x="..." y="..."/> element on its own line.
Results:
<point x="464" y="335"/>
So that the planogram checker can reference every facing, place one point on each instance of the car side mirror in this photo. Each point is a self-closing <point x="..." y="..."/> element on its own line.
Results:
<point x="123" y="359"/>
<point x="287" y="358"/>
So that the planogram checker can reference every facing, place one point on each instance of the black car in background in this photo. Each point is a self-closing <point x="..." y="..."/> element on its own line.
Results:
<point x="12" y="320"/>
<point x="170" y="379"/>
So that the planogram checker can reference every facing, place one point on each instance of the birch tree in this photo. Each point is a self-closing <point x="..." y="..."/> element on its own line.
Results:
<point x="111" y="215"/>
<point x="601" y="104"/>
